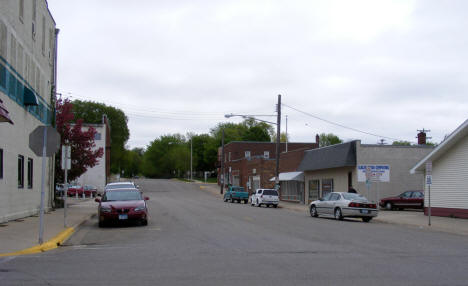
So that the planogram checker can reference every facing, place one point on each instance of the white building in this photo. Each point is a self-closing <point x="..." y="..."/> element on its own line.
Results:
<point x="97" y="176"/>
<point x="449" y="189"/>
<point x="27" y="82"/>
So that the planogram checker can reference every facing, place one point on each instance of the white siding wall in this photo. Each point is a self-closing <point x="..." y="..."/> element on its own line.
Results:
<point x="450" y="178"/>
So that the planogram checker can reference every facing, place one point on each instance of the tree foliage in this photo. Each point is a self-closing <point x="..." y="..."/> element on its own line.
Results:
<point x="83" y="155"/>
<point x="329" y="139"/>
<point x="92" y="112"/>
<point x="401" y="143"/>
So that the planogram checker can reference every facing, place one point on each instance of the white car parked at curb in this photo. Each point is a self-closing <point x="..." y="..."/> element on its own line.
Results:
<point x="267" y="197"/>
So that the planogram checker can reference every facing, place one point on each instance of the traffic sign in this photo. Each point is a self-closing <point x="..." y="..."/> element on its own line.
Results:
<point x="66" y="157"/>
<point x="428" y="180"/>
<point x="36" y="140"/>
<point x="429" y="168"/>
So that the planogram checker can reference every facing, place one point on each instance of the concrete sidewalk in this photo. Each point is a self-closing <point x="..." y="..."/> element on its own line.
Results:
<point x="21" y="236"/>
<point x="412" y="218"/>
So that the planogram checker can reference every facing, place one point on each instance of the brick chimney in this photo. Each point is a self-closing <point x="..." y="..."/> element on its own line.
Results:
<point x="422" y="136"/>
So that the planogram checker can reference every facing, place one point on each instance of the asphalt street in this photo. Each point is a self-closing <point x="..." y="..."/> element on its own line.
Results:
<point x="194" y="238"/>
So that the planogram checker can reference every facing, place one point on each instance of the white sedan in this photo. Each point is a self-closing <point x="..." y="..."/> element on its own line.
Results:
<point x="342" y="205"/>
<point x="267" y="197"/>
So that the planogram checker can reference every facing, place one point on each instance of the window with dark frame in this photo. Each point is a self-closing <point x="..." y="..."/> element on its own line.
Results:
<point x="30" y="173"/>
<point x="1" y="163"/>
<point x="20" y="171"/>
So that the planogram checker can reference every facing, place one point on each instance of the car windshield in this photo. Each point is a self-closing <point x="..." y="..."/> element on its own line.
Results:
<point x="122" y="196"/>
<point x="118" y="186"/>
<point x="270" y="192"/>
<point x="352" y="196"/>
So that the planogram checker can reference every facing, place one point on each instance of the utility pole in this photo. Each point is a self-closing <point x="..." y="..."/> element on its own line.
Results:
<point x="286" y="133"/>
<point x="222" y="163"/>
<point x="278" y="137"/>
<point x="191" y="158"/>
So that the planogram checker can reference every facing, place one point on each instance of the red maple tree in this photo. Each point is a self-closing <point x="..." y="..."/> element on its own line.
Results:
<point x="83" y="153"/>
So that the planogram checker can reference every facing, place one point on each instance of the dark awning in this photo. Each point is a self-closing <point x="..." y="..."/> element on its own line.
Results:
<point x="334" y="156"/>
<point x="4" y="117"/>
<point x="29" y="98"/>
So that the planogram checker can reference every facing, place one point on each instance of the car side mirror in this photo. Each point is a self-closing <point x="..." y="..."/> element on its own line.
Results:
<point x="97" y="200"/>
<point x="146" y="198"/>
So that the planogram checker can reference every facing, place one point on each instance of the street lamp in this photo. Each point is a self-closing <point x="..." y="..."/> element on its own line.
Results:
<point x="278" y="135"/>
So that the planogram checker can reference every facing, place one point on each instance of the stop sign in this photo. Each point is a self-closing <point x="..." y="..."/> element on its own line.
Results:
<point x="36" y="139"/>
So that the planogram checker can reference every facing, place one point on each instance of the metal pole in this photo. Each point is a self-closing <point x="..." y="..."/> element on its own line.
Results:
<point x="191" y="150"/>
<point x="222" y="163"/>
<point x="65" y="192"/>
<point x="278" y="137"/>
<point x="41" y="210"/>
<point x="65" y="195"/>
<point x="429" y="209"/>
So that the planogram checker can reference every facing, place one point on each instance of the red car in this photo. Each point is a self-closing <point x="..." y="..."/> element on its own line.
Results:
<point x="408" y="199"/>
<point x="74" y="189"/>
<point x="90" y="191"/>
<point x="122" y="205"/>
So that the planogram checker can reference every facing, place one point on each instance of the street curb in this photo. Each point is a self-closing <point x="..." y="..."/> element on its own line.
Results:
<point x="52" y="243"/>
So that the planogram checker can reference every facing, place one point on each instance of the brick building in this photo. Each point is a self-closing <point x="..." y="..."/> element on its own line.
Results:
<point x="253" y="164"/>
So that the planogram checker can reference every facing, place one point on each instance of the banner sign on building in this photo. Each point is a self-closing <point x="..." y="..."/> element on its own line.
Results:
<point x="373" y="173"/>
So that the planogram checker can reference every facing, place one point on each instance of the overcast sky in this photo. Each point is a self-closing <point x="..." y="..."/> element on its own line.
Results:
<point x="383" y="67"/>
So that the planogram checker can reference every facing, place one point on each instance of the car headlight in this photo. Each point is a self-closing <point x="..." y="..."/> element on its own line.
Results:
<point x="139" y="209"/>
<point x="106" y="209"/>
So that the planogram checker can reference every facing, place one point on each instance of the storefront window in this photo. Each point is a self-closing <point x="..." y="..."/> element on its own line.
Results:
<point x="314" y="189"/>
<point x="327" y="186"/>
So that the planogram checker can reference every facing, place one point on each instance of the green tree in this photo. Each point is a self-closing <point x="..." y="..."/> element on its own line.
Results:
<point x="92" y="112"/>
<point x="167" y="156"/>
<point x="131" y="162"/>
<point x="401" y="143"/>
<point x="329" y="139"/>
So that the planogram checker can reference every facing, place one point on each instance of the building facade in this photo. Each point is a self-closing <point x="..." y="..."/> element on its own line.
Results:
<point x="27" y="84"/>
<point x="449" y="188"/>
<point x="335" y="169"/>
<point x="253" y="164"/>
<point x="98" y="175"/>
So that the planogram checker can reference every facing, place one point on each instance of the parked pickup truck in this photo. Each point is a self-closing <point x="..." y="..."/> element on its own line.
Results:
<point x="237" y="194"/>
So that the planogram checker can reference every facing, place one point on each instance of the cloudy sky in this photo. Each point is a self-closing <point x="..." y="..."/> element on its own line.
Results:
<point x="382" y="67"/>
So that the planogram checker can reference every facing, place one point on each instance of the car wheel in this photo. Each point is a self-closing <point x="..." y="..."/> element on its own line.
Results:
<point x="275" y="206"/>
<point x="101" y="223"/>
<point x="313" y="211"/>
<point x="258" y="204"/>
<point x="230" y="200"/>
<point x="224" y="200"/>
<point x="389" y="206"/>
<point x="338" y="214"/>
<point x="246" y="201"/>
<point x="144" y="222"/>
<point x="366" y="219"/>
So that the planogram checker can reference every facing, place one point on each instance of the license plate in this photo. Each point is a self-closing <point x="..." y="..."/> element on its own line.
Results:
<point x="364" y="211"/>
<point x="123" y="216"/>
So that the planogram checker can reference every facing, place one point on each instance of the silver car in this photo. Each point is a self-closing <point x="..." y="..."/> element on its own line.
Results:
<point x="342" y="205"/>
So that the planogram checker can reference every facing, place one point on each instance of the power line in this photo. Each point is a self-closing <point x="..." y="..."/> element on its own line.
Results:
<point x="340" y="125"/>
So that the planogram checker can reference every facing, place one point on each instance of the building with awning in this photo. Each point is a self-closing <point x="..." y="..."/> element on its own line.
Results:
<point x="291" y="186"/>
<point x="338" y="167"/>
<point x="27" y="82"/>
<point x="4" y="117"/>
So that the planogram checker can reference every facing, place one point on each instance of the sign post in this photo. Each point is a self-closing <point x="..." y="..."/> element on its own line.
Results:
<point x="66" y="165"/>
<point x="374" y="173"/>
<point x="43" y="141"/>
<point x="429" y="183"/>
